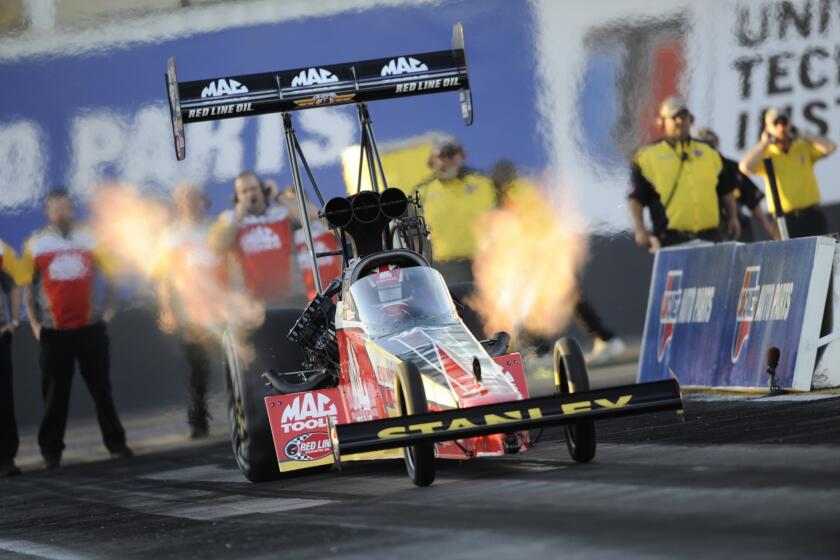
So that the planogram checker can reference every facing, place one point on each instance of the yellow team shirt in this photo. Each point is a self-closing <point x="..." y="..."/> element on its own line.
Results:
<point x="10" y="267"/>
<point x="687" y="188"/>
<point x="520" y="192"/>
<point x="452" y="208"/>
<point x="795" y="176"/>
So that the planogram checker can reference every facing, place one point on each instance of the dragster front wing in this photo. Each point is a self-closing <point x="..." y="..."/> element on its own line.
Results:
<point x="505" y="417"/>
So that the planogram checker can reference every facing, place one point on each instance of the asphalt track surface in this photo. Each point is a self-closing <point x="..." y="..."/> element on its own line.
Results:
<point x="737" y="477"/>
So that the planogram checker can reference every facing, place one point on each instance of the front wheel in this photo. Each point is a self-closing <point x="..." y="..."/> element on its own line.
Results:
<point x="420" y="458"/>
<point x="570" y="376"/>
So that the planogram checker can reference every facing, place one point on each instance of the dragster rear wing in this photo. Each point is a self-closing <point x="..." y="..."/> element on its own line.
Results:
<point x="318" y="86"/>
<point x="505" y="417"/>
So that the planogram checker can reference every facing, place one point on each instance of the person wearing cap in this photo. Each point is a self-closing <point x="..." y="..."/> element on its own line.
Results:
<point x="454" y="198"/>
<point x="9" y="321"/>
<point x="605" y="344"/>
<point x="682" y="182"/>
<point x="190" y="273"/>
<point x="793" y="153"/>
<point x="747" y="196"/>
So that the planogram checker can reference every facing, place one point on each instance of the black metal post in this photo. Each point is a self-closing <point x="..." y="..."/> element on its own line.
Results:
<point x="777" y="204"/>
<point x="291" y="143"/>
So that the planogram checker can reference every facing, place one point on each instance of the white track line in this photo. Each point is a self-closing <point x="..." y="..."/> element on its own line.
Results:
<point x="203" y="473"/>
<point x="38" y="550"/>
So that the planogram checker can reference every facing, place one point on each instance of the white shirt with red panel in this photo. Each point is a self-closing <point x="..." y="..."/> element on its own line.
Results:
<point x="263" y="249"/>
<point x="64" y="271"/>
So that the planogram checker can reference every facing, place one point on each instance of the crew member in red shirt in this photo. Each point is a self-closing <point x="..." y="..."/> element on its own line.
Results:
<point x="323" y="239"/>
<point x="62" y="273"/>
<point x="260" y="238"/>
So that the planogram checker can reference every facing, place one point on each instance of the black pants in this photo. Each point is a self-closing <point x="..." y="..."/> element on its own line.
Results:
<point x="747" y="233"/>
<point x="59" y="352"/>
<point x="806" y="222"/>
<point x="671" y="237"/>
<point x="590" y="321"/>
<point x="195" y="346"/>
<point x="8" y="426"/>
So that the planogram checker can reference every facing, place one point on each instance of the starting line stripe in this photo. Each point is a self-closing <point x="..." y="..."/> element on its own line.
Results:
<point x="38" y="550"/>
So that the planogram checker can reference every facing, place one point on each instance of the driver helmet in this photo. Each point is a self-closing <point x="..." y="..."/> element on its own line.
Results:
<point x="393" y="291"/>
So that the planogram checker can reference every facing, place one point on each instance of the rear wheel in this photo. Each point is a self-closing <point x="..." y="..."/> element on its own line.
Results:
<point x="420" y="458"/>
<point x="570" y="376"/>
<point x="250" y="431"/>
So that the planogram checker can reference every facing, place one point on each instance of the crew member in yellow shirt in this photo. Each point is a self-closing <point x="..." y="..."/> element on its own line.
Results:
<point x="682" y="181"/>
<point x="606" y="345"/>
<point x="454" y="199"/>
<point x="793" y="153"/>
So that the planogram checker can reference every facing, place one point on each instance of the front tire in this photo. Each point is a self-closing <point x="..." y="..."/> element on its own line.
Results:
<point x="570" y="376"/>
<point x="253" y="445"/>
<point x="420" y="458"/>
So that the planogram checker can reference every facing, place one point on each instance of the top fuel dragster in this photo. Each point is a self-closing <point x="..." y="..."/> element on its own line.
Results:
<point x="380" y="363"/>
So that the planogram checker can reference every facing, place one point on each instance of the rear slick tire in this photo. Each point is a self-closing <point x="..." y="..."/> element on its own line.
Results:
<point x="420" y="458"/>
<point x="570" y="376"/>
<point x="250" y="431"/>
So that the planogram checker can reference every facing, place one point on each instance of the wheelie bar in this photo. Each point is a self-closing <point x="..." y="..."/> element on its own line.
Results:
<point x="506" y="417"/>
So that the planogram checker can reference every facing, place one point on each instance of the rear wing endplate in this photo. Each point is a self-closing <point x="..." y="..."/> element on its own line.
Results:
<point x="318" y="86"/>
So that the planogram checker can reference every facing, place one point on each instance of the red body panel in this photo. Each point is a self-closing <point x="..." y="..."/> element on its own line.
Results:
<point x="300" y="427"/>
<point x="300" y="422"/>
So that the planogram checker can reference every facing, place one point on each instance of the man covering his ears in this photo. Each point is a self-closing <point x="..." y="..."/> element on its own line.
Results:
<point x="259" y="237"/>
<point x="793" y="154"/>
<point x="681" y="181"/>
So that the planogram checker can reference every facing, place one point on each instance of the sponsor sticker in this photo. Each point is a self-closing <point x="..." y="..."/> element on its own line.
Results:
<point x="514" y="415"/>
<point x="425" y="85"/>
<point x="308" y="447"/>
<point x="307" y="411"/>
<point x="758" y="302"/>
<point x="219" y="110"/>
<point x="314" y="76"/>
<point x="218" y="88"/>
<point x="325" y="99"/>
<point x="403" y="65"/>
<point x="681" y="305"/>
<point x="260" y="239"/>
<point x="67" y="267"/>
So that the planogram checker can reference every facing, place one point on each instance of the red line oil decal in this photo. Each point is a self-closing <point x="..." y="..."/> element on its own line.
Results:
<point x="308" y="447"/>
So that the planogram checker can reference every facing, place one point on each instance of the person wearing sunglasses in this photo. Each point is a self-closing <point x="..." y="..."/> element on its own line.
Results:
<point x="681" y="181"/>
<point x="793" y="153"/>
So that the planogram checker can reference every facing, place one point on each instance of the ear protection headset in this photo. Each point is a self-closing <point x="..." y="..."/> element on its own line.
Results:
<point x="265" y="190"/>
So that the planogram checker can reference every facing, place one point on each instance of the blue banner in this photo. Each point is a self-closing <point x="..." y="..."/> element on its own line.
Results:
<point x="75" y="118"/>
<point x="715" y="310"/>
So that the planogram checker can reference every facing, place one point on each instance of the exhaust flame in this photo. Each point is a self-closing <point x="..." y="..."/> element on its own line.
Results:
<point x="529" y="254"/>
<point x="132" y="229"/>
